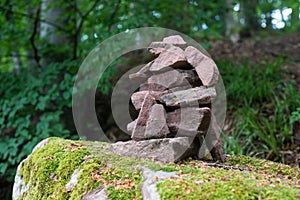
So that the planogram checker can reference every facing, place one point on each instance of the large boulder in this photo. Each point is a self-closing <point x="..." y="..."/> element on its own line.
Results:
<point x="65" y="169"/>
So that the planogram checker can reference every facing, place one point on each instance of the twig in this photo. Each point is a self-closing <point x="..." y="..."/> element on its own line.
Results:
<point x="227" y="167"/>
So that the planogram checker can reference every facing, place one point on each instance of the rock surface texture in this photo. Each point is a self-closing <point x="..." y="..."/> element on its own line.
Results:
<point x="165" y="150"/>
<point x="177" y="90"/>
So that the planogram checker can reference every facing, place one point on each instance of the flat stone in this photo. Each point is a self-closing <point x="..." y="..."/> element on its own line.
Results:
<point x="138" y="98"/>
<point x="174" y="78"/>
<point x="187" y="121"/>
<point x="205" y="67"/>
<point x="165" y="150"/>
<point x="156" y="126"/>
<point x="142" y="74"/>
<point x="175" y="40"/>
<point x="189" y="97"/>
<point x="172" y="57"/>
<point x="171" y="80"/>
<point x="152" y="87"/>
<point x="140" y="126"/>
<point x="166" y="79"/>
<point x="157" y="47"/>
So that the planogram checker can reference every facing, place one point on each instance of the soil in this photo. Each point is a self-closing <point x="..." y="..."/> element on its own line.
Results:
<point x="262" y="50"/>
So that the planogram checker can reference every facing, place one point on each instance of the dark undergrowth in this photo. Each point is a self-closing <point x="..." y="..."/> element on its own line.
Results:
<point x="262" y="104"/>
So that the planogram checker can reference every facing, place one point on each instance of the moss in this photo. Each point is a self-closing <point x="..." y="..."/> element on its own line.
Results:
<point x="50" y="168"/>
<point x="85" y="181"/>
<point x="264" y="166"/>
<point x="198" y="181"/>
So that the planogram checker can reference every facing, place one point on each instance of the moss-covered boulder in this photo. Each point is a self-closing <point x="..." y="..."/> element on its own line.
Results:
<point x="65" y="169"/>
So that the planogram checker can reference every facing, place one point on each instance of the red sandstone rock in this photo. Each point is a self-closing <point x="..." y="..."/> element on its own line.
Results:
<point x="205" y="66"/>
<point x="142" y="74"/>
<point x="172" y="57"/>
<point x="189" y="97"/>
<point x="174" y="39"/>
<point x="156" y="126"/>
<point x="157" y="47"/>
<point x="139" y="129"/>
<point x="187" y="121"/>
<point x="138" y="98"/>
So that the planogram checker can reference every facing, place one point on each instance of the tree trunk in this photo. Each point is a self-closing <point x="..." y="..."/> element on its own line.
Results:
<point x="248" y="9"/>
<point x="295" y="17"/>
<point x="17" y="61"/>
<point x="232" y="28"/>
<point x="33" y="25"/>
<point x="57" y="30"/>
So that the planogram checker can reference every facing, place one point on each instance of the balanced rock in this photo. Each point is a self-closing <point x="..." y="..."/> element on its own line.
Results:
<point x="175" y="40"/>
<point x="187" y="121"/>
<point x="205" y="66"/>
<point x="189" y="97"/>
<point x="142" y="74"/>
<point x="156" y="126"/>
<point x="152" y="87"/>
<point x="138" y="98"/>
<point x="174" y="78"/>
<point x="171" y="57"/>
<point x="140" y="126"/>
<point x="157" y="47"/>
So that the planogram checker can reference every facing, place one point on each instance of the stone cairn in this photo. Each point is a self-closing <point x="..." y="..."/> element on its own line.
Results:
<point x="174" y="102"/>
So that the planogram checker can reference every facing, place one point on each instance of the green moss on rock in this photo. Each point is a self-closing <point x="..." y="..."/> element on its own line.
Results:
<point x="49" y="169"/>
<point x="243" y="178"/>
<point x="264" y="166"/>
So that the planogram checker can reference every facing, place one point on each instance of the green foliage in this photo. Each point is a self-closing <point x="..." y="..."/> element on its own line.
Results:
<point x="295" y="116"/>
<point x="30" y="110"/>
<point x="261" y="100"/>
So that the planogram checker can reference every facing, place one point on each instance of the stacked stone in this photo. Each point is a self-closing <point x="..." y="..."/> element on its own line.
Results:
<point x="175" y="95"/>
